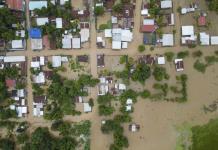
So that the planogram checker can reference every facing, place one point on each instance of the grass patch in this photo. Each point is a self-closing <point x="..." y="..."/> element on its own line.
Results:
<point x="184" y="138"/>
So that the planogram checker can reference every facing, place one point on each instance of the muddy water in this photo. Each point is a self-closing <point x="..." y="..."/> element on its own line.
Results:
<point x="158" y="119"/>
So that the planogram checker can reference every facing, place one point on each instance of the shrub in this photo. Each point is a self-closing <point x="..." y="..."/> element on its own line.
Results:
<point x="216" y="52"/>
<point x="159" y="73"/>
<point x="169" y="56"/>
<point x="103" y="27"/>
<point x="201" y="67"/>
<point x="183" y="54"/>
<point x="99" y="10"/>
<point x="141" y="48"/>
<point x="123" y="59"/>
<point x="197" y="53"/>
<point x="211" y="60"/>
<point x="151" y="48"/>
<point x="145" y="94"/>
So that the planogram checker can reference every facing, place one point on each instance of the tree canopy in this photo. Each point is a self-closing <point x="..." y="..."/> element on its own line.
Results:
<point x="141" y="73"/>
<point x="63" y="91"/>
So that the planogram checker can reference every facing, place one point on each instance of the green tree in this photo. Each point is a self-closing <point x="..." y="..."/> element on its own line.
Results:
<point x="120" y="140"/>
<point x="41" y="139"/>
<point x="7" y="144"/>
<point x="169" y="56"/>
<point x="159" y="73"/>
<point x="145" y="94"/>
<point x="183" y="54"/>
<point x="118" y="8"/>
<point x="67" y="143"/>
<point x="105" y="110"/>
<point x="99" y="10"/>
<point x="141" y="73"/>
<point x="199" y="66"/>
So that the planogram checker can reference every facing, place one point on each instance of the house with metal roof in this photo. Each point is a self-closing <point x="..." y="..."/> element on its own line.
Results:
<point x="37" y="4"/>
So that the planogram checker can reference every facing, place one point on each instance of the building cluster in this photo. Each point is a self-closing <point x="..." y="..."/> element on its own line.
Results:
<point x="15" y="91"/>
<point x="150" y="25"/>
<point x="67" y="32"/>
<point x="41" y="76"/>
<point x="15" y="35"/>
<point x="121" y="29"/>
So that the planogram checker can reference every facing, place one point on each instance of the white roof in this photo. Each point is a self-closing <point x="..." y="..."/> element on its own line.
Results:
<point x="102" y="80"/>
<point x="204" y="38"/>
<point x="37" y="4"/>
<point x="36" y="44"/>
<point x="56" y="61"/>
<point x="128" y="108"/>
<point x="23" y="102"/>
<point x="161" y="60"/>
<point x="87" y="107"/>
<point x="99" y="4"/>
<point x="99" y="39"/>
<point x="20" y="33"/>
<point x="17" y="44"/>
<point x="40" y="78"/>
<point x="107" y="33"/>
<point x="10" y="59"/>
<point x="133" y="128"/>
<point x="80" y="12"/>
<point x="66" y="43"/>
<point x="21" y="110"/>
<point x="168" y="40"/>
<point x="189" y="38"/>
<point x="76" y="43"/>
<point x="144" y="12"/>
<point x="62" y="2"/>
<point x="166" y="4"/>
<point x="12" y="107"/>
<point x="116" y="44"/>
<point x="129" y="101"/>
<point x="35" y="64"/>
<point x="183" y="11"/>
<point x="148" y="22"/>
<point x="214" y="40"/>
<point x="172" y="21"/>
<point x="124" y="44"/>
<point x="59" y="23"/>
<point x="102" y="89"/>
<point x="126" y="35"/>
<point x="116" y="30"/>
<point x="42" y="60"/>
<point x="122" y="86"/>
<point x="84" y="33"/>
<point x="20" y="93"/>
<point x="64" y="59"/>
<point x="113" y="19"/>
<point x="41" y="21"/>
<point x="187" y="30"/>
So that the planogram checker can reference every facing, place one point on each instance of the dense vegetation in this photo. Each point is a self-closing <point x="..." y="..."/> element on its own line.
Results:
<point x="205" y="136"/>
<point x="5" y="101"/>
<point x="7" y="18"/>
<point x="62" y="93"/>
<point x="213" y="5"/>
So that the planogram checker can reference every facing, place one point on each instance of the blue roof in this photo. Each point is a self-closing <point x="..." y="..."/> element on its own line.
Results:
<point x="35" y="33"/>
